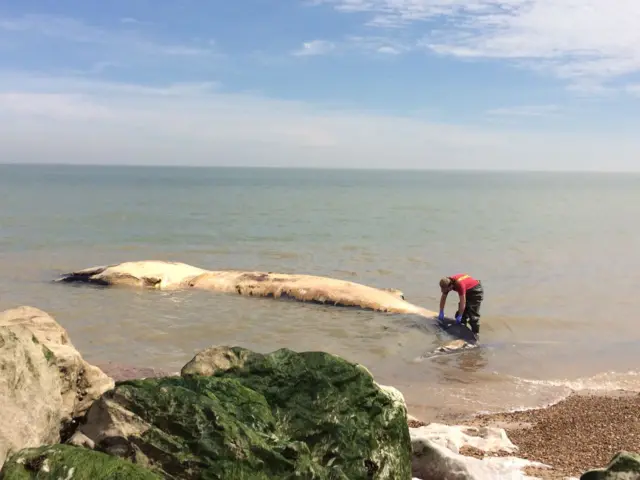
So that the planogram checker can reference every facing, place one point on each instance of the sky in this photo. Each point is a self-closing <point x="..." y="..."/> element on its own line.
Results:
<point x="453" y="84"/>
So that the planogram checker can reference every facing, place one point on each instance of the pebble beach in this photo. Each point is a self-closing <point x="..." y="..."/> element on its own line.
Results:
<point x="581" y="432"/>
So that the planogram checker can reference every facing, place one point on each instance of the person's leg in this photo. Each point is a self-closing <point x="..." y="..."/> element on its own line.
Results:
<point x="475" y="296"/>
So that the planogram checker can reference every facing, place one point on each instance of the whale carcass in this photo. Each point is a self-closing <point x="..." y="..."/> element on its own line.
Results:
<point x="165" y="275"/>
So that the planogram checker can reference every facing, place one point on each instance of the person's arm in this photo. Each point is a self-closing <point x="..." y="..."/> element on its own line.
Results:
<point x="443" y="301"/>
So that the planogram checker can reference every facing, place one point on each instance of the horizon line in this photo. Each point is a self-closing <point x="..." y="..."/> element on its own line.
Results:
<point x="298" y="167"/>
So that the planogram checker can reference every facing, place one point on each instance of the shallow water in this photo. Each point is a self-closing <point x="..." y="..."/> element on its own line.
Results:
<point x="557" y="255"/>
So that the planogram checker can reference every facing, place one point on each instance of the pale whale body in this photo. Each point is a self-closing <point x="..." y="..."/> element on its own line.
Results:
<point x="163" y="275"/>
<point x="305" y="288"/>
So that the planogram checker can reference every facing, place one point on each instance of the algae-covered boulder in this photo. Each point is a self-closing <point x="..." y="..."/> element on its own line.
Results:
<point x="623" y="466"/>
<point x="56" y="462"/>
<point x="307" y="415"/>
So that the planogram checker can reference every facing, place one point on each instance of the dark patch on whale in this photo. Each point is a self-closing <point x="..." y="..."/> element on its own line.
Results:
<point x="463" y="339"/>
<point x="456" y="330"/>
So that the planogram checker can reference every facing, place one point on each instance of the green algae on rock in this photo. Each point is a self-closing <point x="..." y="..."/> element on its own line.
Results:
<point x="288" y="415"/>
<point x="623" y="466"/>
<point x="66" y="462"/>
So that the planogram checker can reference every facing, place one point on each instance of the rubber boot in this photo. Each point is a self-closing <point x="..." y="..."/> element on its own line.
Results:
<point x="475" y="328"/>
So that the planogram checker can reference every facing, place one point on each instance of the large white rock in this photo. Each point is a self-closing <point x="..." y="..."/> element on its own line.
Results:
<point x="30" y="400"/>
<point x="436" y="454"/>
<point x="454" y="437"/>
<point x="44" y="381"/>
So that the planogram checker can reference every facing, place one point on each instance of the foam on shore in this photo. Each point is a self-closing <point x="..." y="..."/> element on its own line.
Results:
<point x="609" y="384"/>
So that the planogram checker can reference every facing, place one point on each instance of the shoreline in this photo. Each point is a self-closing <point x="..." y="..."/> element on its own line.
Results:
<point x="122" y="371"/>
<point x="580" y="432"/>
<point x="69" y="402"/>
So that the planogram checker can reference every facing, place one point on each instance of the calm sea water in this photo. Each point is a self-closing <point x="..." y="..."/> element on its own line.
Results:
<point x="557" y="254"/>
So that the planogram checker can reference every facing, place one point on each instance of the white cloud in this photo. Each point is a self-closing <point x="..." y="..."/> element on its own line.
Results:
<point x="389" y="50"/>
<point x="52" y="105"/>
<point x="633" y="89"/>
<point x="525" y="110"/>
<point x="132" y="21"/>
<point x="315" y="47"/>
<point x="81" y="121"/>
<point x="378" y="44"/>
<point x="577" y="40"/>
<point x="370" y="44"/>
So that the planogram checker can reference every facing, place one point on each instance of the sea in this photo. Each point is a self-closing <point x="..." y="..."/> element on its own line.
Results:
<point x="557" y="254"/>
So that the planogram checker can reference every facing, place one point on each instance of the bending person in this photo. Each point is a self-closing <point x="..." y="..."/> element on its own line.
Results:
<point x="471" y="296"/>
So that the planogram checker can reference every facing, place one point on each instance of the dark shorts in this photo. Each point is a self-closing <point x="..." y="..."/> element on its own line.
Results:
<point x="475" y="296"/>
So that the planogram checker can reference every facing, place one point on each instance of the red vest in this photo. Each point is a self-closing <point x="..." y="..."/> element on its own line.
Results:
<point x="464" y="282"/>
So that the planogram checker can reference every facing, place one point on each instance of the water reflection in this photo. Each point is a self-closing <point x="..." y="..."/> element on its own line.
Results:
<point x="468" y="361"/>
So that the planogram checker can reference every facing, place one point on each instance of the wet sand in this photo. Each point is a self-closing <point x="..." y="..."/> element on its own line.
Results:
<point x="121" y="372"/>
<point x="582" y="432"/>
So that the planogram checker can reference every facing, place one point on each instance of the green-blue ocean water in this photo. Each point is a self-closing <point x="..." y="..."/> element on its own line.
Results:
<point x="557" y="254"/>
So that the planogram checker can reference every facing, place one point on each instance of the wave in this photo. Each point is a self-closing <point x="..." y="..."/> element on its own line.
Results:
<point x="551" y="392"/>
<point x="601" y="382"/>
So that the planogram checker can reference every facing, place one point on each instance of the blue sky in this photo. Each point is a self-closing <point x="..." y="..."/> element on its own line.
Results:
<point x="507" y="84"/>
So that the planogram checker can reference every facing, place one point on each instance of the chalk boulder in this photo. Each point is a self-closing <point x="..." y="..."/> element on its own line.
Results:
<point x="436" y="454"/>
<point x="454" y="437"/>
<point x="81" y="382"/>
<point x="29" y="392"/>
<point x="44" y="384"/>
<point x="241" y="414"/>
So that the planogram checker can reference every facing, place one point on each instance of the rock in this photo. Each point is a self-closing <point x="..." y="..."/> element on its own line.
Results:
<point x="623" y="466"/>
<point x="395" y="396"/>
<point x="217" y="359"/>
<point x="454" y="437"/>
<point x="44" y="382"/>
<point x="64" y="462"/>
<point x="245" y="415"/>
<point x="79" y="439"/>
<point x="304" y="288"/>
<point x="436" y="454"/>
<point x="82" y="383"/>
<point x="30" y="399"/>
